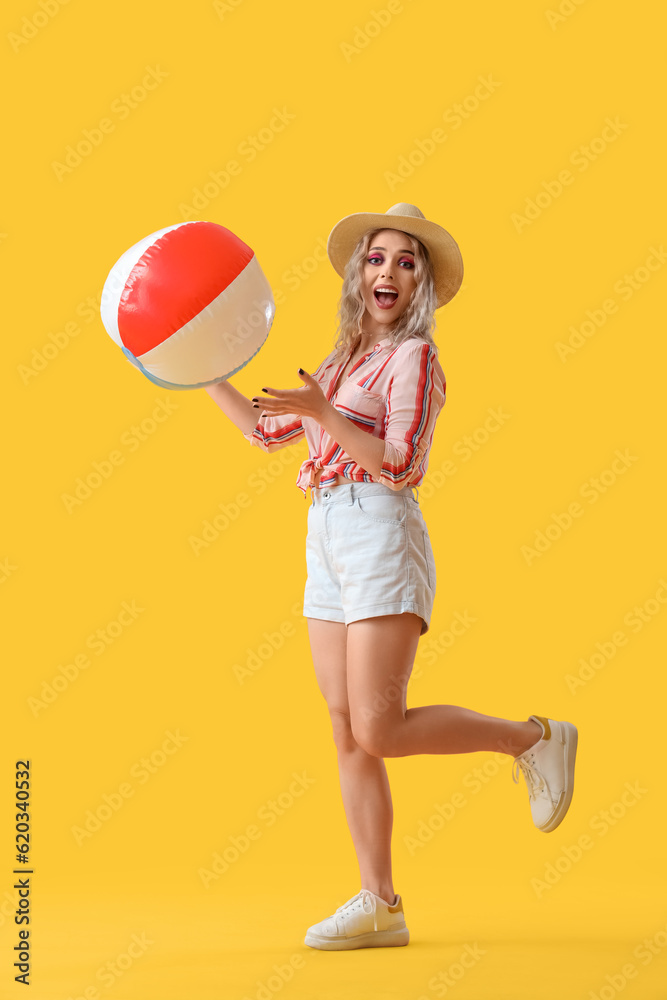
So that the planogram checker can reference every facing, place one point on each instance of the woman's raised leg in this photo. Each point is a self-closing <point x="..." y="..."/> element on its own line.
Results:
<point x="363" y="777"/>
<point x="380" y="656"/>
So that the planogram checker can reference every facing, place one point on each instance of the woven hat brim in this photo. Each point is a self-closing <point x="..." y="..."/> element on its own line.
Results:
<point x="441" y="245"/>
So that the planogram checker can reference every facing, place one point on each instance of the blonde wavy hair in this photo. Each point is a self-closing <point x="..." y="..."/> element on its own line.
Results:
<point x="417" y="321"/>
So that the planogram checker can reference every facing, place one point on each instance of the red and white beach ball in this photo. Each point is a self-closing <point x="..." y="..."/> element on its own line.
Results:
<point x="188" y="305"/>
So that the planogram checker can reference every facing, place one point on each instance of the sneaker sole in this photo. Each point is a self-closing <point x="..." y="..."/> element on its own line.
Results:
<point x="571" y="740"/>
<point x="374" y="939"/>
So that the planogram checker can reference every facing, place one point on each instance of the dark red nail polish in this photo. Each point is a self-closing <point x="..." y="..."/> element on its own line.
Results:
<point x="265" y="390"/>
<point x="300" y="371"/>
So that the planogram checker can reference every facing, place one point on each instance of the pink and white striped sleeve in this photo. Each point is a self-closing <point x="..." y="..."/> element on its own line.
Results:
<point x="416" y="396"/>
<point x="271" y="433"/>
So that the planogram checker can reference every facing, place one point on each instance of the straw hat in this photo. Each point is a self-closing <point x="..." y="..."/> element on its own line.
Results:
<point x="443" y="249"/>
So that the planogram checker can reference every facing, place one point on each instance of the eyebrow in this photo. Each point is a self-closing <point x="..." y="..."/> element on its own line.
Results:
<point x="384" y="248"/>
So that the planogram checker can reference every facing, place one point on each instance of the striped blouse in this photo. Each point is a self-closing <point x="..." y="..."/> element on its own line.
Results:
<point x="393" y="392"/>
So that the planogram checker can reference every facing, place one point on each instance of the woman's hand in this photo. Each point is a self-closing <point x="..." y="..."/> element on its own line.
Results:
<point x="306" y="401"/>
<point x="309" y="401"/>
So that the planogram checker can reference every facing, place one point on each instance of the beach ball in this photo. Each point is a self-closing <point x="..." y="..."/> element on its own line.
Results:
<point x="188" y="305"/>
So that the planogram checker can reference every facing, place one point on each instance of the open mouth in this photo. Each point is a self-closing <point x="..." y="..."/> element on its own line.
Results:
<point x="385" y="297"/>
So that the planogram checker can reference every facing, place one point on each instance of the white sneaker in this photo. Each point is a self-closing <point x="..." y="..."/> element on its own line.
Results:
<point x="364" y="921"/>
<point x="548" y="767"/>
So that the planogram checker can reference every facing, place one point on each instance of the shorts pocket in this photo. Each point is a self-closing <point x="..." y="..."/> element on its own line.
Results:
<point x="430" y="561"/>
<point x="382" y="507"/>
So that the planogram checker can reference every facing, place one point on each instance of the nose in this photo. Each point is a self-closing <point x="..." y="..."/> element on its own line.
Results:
<point x="389" y="267"/>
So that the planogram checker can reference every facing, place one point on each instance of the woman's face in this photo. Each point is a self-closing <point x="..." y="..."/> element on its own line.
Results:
<point x="389" y="265"/>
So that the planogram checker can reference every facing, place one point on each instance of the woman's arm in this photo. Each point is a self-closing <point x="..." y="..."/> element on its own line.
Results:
<point x="234" y="405"/>
<point x="260" y="429"/>
<point x="416" y="396"/>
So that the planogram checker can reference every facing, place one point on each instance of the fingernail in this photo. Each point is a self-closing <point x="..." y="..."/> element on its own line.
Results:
<point x="254" y="399"/>
<point x="265" y="390"/>
<point x="300" y="371"/>
<point x="255" y="406"/>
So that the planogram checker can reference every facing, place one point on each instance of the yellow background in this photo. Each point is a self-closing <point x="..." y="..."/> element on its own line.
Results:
<point x="362" y="95"/>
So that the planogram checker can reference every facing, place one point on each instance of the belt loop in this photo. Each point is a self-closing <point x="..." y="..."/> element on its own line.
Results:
<point x="416" y="493"/>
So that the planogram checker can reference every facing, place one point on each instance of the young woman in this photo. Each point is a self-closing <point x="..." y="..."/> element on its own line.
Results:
<point x="368" y="414"/>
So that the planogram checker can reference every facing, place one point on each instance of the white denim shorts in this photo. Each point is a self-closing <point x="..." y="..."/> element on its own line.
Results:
<point x="368" y="553"/>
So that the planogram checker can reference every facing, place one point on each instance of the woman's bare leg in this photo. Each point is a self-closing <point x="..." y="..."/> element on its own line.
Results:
<point x="380" y="655"/>
<point x="363" y="777"/>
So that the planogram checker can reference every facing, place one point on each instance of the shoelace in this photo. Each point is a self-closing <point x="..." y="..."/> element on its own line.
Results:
<point x="534" y="779"/>
<point x="365" y="896"/>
